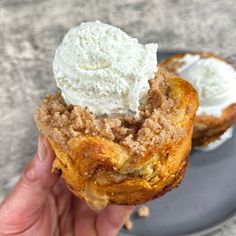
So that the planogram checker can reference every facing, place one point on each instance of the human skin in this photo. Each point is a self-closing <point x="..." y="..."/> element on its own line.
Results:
<point x="40" y="204"/>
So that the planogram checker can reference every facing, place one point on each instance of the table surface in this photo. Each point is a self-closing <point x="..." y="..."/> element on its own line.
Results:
<point x="31" y="30"/>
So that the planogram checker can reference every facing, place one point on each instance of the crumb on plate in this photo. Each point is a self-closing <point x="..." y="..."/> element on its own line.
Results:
<point x="143" y="212"/>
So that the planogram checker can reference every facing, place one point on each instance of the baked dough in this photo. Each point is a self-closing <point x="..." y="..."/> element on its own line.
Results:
<point x="122" y="158"/>
<point x="207" y="129"/>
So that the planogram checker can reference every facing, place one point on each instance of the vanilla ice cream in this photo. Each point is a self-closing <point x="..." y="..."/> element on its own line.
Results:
<point x="101" y="67"/>
<point x="214" y="80"/>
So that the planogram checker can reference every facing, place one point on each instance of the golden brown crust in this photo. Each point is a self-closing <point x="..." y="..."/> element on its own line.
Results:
<point x="135" y="159"/>
<point x="207" y="129"/>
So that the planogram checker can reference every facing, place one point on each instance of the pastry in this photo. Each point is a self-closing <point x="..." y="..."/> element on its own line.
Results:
<point x="215" y="81"/>
<point x="120" y="126"/>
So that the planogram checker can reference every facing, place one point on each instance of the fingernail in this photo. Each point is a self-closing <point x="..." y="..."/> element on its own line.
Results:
<point x="42" y="151"/>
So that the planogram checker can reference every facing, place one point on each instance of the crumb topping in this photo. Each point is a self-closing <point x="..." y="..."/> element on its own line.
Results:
<point x="153" y="127"/>
<point x="143" y="212"/>
<point x="128" y="225"/>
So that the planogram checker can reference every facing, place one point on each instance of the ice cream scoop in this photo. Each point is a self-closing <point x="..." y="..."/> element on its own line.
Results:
<point x="101" y="67"/>
<point x="214" y="80"/>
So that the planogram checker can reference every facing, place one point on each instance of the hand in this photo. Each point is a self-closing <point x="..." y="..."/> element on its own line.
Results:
<point x="40" y="204"/>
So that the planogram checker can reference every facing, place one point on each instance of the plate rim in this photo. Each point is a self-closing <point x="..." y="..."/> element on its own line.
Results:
<point x="211" y="229"/>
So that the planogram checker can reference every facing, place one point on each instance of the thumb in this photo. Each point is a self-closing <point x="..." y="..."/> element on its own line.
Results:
<point x="110" y="220"/>
<point x="25" y="202"/>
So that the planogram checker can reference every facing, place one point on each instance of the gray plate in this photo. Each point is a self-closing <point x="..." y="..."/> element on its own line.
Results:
<point x="203" y="202"/>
